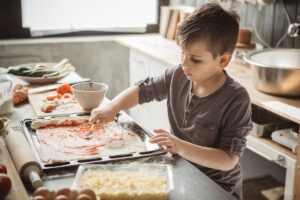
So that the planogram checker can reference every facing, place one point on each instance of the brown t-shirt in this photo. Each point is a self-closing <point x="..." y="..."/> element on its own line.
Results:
<point x="221" y="120"/>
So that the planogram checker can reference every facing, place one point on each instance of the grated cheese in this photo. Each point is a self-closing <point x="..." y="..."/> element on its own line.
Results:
<point x="122" y="185"/>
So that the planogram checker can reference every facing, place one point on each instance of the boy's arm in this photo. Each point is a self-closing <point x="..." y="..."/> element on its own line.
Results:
<point x="208" y="157"/>
<point x="205" y="156"/>
<point x="144" y="91"/>
<point x="126" y="99"/>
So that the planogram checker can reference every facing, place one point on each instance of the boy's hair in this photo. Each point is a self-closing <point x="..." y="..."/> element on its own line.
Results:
<point x="212" y="24"/>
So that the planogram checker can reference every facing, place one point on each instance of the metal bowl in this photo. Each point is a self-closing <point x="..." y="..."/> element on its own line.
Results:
<point x="276" y="71"/>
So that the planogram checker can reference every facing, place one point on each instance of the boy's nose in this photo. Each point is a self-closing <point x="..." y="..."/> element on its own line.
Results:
<point x="184" y="62"/>
<point x="184" y="67"/>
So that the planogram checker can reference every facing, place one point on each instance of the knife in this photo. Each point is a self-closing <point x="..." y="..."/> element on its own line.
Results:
<point x="54" y="86"/>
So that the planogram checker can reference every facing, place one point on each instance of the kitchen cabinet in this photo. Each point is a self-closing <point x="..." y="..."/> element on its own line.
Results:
<point x="150" y="51"/>
<point x="150" y="115"/>
<point x="266" y="147"/>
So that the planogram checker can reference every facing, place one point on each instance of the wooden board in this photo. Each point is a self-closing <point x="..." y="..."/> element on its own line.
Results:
<point x="38" y="100"/>
<point x="18" y="190"/>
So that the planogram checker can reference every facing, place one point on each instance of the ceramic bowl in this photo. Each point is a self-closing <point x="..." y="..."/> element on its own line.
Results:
<point x="89" y="94"/>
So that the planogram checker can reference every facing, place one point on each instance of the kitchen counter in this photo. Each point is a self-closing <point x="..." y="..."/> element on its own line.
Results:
<point x="189" y="182"/>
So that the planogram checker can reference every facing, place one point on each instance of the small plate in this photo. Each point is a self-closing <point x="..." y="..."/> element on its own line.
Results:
<point x="43" y="80"/>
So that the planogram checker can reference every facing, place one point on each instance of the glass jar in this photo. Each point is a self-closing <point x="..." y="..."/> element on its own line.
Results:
<point x="6" y="87"/>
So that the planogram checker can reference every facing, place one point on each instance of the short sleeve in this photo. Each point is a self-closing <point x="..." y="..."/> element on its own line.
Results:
<point x="155" y="88"/>
<point x="237" y="126"/>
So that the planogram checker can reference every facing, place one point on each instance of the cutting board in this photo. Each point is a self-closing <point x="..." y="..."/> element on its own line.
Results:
<point x="38" y="100"/>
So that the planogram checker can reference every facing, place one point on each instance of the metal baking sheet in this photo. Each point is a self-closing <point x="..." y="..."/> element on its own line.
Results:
<point x="122" y="118"/>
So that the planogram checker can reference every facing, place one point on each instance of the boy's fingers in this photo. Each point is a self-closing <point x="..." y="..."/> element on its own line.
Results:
<point x="165" y="143"/>
<point x="158" y="139"/>
<point x="160" y="131"/>
<point x="160" y="135"/>
<point x="98" y="120"/>
<point x="94" y="118"/>
<point x="168" y="149"/>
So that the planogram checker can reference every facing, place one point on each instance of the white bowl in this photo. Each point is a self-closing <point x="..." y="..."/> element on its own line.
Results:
<point x="89" y="94"/>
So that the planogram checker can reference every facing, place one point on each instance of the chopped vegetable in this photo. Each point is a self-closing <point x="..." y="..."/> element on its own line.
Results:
<point x="33" y="72"/>
<point x="51" y="98"/>
<point x="41" y="70"/>
<point x="65" y="88"/>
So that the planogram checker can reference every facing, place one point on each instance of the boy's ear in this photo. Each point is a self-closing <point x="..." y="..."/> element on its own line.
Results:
<point x="225" y="59"/>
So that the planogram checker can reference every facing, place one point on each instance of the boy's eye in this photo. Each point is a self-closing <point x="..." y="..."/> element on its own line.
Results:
<point x="195" y="60"/>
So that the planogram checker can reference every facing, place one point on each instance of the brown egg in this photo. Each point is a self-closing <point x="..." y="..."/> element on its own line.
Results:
<point x="39" y="197"/>
<point x="41" y="191"/>
<point x="64" y="191"/>
<point x="88" y="192"/>
<point x="83" y="197"/>
<point x="62" y="197"/>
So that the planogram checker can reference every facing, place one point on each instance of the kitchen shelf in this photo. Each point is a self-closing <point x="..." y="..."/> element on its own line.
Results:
<point x="254" y="142"/>
<point x="288" y="108"/>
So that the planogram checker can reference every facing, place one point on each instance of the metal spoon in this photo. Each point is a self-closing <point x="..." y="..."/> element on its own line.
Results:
<point x="90" y="134"/>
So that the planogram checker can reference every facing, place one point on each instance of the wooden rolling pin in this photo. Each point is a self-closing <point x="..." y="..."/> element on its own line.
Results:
<point x="24" y="158"/>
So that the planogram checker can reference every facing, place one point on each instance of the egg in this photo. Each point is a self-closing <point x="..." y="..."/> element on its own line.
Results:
<point x="83" y="197"/>
<point x="39" y="197"/>
<point x="88" y="192"/>
<point x="61" y="197"/>
<point x="41" y="191"/>
<point x="64" y="191"/>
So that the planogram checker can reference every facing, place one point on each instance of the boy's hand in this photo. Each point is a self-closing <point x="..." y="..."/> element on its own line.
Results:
<point x="105" y="114"/>
<point x="170" y="143"/>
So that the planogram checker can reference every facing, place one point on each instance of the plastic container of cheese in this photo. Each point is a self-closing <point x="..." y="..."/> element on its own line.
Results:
<point x="126" y="181"/>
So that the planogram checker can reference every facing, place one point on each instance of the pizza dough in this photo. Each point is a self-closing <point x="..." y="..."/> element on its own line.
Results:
<point x="63" y="139"/>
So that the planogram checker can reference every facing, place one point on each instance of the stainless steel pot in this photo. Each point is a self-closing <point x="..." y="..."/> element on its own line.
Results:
<point x="276" y="71"/>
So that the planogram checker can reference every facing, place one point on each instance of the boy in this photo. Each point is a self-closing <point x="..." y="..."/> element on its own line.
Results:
<point x="209" y="112"/>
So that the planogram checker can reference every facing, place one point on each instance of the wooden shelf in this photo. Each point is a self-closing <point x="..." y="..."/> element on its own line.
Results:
<point x="270" y="143"/>
<point x="288" y="108"/>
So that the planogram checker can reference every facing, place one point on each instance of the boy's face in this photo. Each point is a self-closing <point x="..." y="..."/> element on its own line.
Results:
<point x="199" y="64"/>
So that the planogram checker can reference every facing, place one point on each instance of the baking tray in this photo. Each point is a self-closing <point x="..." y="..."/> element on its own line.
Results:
<point x="122" y="118"/>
